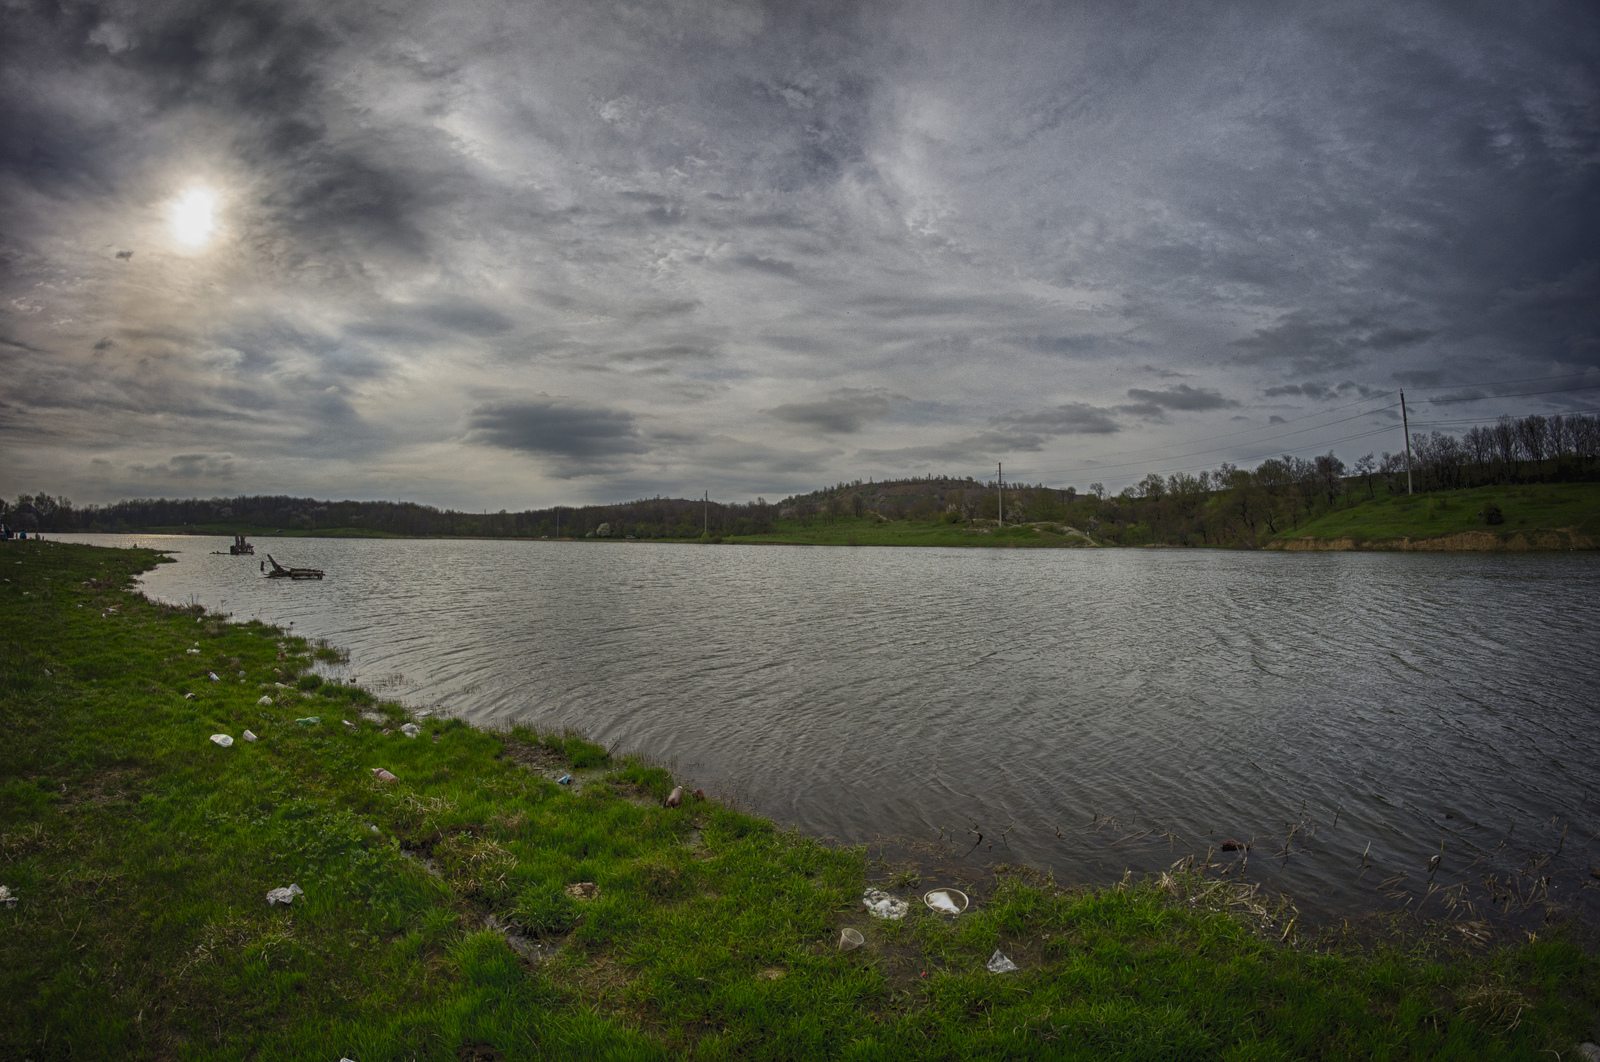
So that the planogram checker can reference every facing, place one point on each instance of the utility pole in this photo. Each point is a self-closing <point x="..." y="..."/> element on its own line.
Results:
<point x="1405" y="426"/>
<point x="706" y="516"/>
<point x="1000" y="487"/>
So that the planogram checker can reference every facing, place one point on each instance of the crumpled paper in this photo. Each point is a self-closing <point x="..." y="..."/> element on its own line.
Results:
<point x="880" y="904"/>
<point x="284" y="895"/>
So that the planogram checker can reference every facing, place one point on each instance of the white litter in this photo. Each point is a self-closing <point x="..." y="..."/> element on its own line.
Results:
<point x="222" y="739"/>
<point x="943" y="902"/>
<point x="998" y="963"/>
<point x="192" y="652"/>
<point x="249" y="736"/>
<point x="411" y="730"/>
<point x="264" y="701"/>
<point x="188" y="696"/>
<point x="382" y="775"/>
<point x="212" y="675"/>
<point x="6" y="896"/>
<point x="880" y="904"/>
<point x="348" y="723"/>
<point x="284" y="895"/>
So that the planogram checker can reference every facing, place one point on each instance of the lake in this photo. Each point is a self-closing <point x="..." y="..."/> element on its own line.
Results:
<point x="1085" y="711"/>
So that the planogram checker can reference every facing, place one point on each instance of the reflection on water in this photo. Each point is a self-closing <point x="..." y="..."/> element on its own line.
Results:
<point x="1344" y="714"/>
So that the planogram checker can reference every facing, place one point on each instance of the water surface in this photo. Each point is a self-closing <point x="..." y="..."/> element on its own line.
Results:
<point x="1059" y="703"/>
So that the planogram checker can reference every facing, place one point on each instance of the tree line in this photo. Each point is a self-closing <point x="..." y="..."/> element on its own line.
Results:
<point x="1226" y="505"/>
<point x="675" y="518"/>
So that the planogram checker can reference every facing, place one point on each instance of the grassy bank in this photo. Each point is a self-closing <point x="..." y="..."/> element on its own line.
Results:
<point x="139" y="854"/>
<point x="1533" y="516"/>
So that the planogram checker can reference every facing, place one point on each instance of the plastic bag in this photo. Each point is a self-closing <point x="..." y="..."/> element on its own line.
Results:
<point x="222" y="740"/>
<point x="284" y="895"/>
<point x="998" y="963"/>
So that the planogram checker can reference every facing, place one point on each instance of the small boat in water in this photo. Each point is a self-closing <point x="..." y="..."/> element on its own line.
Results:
<point x="280" y="572"/>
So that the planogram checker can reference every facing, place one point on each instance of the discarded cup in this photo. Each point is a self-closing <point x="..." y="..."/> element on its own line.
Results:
<point x="265" y="701"/>
<point x="348" y="724"/>
<point x="284" y="895"/>
<point x="8" y="897"/>
<point x="675" y="798"/>
<point x="382" y="775"/>
<point x="946" y="901"/>
<point x="222" y="739"/>
<point x="998" y="963"/>
<point x="212" y="675"/>
<point x="850" y="939"/>
<point x="248" y="736"/>
<point x="411" y="730"/>
<point x="565" y="779"/>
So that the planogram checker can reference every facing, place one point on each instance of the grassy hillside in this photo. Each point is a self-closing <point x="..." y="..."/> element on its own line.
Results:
<point x="474" y="908"/>
<point x="1535" y="515"/>
<point x="871" y="531"/>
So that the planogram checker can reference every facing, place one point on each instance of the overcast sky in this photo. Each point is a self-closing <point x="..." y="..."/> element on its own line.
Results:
<point x="507" y="255"/>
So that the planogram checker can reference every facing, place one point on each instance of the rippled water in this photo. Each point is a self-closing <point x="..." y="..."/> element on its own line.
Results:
<point x="1321" y="705"/>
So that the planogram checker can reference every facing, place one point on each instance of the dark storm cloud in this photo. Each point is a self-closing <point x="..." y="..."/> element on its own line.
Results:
<point x="1302" y="341"/>
<point x="844" y="412"/>
<point x="1183" y="398"/>
<point x="685" y="216"/>
<point x="556" y="428"/>
<point x="1017" y="432"/>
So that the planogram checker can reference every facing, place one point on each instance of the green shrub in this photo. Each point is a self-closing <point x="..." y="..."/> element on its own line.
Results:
<point x="309" y="682"/>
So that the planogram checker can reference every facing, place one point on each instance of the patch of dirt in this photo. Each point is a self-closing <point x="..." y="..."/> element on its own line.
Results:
<point x="478" y="1053"/>
<point x="533" y="757"/>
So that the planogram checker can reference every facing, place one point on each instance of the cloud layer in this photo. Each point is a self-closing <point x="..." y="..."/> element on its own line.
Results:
<point x="512" y="254"/>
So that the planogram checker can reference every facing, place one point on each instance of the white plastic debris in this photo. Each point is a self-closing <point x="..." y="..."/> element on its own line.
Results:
<point x="382" y="775"/>
<point x="411" y="730"/>
<point x="188" y="696"/>
<point x="946" y="901"/>
<point x="1589" y="1052"/>
<point x="998" y="963"/>
<point x="7" y="897"/>
<point x="880" y="904"/>
<point x="248" y="736"/>
<point x="284" y="895"/>
<point x="212" y="675"/>
<point x="222" y="739"/>
<point x="192" y="652"/>
<point x="264" y="701"/>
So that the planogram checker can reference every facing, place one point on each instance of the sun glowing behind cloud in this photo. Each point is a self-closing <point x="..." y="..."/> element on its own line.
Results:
<point x="193" y="217"/>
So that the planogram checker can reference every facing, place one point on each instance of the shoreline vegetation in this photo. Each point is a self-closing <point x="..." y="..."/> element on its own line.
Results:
<point x="1527" y="517"/>
<point x="476" y="908"/>
<point x="1530" y="483"/>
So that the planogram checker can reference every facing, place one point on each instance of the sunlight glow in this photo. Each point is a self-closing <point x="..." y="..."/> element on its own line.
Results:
<point x="193" y="217"/>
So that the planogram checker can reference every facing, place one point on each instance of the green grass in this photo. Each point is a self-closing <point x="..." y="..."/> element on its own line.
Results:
<point x="141" y="853"/>
<point x="870" y="531"/>
<point x="1527" y="509"/>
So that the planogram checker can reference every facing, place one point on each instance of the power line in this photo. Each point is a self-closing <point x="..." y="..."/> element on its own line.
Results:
<point x="1515" y="394"/>
<point x="1219" y="449"/>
